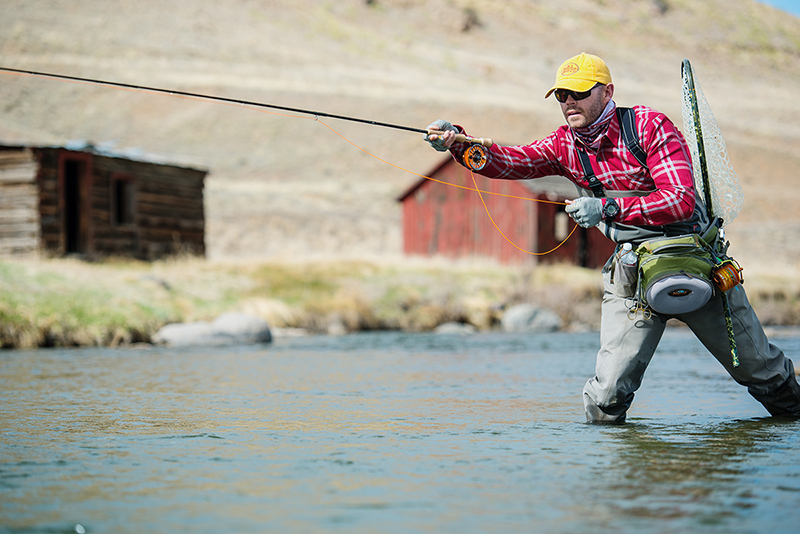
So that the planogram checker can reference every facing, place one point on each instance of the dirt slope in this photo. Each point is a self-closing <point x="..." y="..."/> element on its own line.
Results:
<point x="288" y="187"/>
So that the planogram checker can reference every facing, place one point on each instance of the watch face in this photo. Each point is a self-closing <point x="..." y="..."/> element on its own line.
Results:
<point x="611" y="208"/>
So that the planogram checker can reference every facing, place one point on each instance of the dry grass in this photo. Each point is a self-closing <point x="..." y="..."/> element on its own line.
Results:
<point x="65" y="302"/>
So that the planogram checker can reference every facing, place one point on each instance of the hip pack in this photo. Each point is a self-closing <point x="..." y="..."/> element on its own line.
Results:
<point x="675" y="273"/>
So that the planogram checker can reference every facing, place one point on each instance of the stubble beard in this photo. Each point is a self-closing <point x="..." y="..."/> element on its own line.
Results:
<point x="587" y="116"/>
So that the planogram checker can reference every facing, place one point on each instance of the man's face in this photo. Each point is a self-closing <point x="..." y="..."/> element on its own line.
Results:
<point x="582" y="113"/>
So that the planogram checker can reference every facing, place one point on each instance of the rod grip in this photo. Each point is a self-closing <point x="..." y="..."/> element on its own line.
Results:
<point x="485" y="141"/>
<point x="462" y="138"/>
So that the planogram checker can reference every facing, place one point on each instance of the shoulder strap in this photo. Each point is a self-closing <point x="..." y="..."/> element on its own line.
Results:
<point x="594" y="184"/>
<point x="626" y="117"/>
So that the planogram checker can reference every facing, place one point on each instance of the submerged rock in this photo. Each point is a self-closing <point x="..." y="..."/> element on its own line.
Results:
<point x="530" y="318"/>
<point x="227" y="329"/>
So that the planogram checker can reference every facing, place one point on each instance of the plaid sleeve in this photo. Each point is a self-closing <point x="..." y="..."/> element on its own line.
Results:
<point x="518" y="162"/>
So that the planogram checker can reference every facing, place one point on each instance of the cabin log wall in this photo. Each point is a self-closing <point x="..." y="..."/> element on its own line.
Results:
<point x="19" y="213"/>
<point x="168" y="218"/>
<point x="168" y="215"/>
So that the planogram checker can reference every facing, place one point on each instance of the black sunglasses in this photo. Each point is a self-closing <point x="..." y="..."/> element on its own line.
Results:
<point x="563" y="94"/>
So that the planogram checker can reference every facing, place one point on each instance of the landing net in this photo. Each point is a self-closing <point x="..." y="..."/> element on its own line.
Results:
<point x="714" y="178"/>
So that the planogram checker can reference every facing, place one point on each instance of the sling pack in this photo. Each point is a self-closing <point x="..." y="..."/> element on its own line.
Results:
<point x="675" y="273"/>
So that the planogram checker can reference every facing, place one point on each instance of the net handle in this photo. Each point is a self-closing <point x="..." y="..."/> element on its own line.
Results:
<point x="688" y="77"/>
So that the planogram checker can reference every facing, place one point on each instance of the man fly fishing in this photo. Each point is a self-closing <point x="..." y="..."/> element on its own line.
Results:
<point x="636" y="183"/>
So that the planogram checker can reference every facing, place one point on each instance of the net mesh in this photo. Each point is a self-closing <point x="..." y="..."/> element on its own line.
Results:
<point x="727" y="196"/>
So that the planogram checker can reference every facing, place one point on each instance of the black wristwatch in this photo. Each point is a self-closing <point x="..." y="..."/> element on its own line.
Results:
<point x="610" y="209"/>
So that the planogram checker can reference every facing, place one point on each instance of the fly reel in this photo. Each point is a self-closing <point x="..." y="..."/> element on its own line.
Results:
<point x="475" y="157"/>
<point x="727" y="275"/>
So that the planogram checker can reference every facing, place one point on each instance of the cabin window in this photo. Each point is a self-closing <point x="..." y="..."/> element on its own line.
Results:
<point x="122" y="189"/>
<point x="75" y="180"/>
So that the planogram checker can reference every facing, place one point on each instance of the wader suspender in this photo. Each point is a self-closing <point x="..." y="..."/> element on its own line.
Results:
<point x="626" y="118"/>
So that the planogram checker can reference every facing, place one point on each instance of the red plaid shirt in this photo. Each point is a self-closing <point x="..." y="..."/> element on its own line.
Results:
<point x="669" y="176"/>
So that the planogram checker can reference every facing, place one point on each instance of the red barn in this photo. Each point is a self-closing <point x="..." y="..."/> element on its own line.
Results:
<point x="440" y="219"/>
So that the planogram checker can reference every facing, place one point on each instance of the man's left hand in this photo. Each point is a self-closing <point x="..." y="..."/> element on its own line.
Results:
<point x="586" y="211"/>
<point x="441" y="142"/>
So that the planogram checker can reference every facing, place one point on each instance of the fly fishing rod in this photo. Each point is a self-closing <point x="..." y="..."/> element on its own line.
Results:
<point x="461" y="138"/>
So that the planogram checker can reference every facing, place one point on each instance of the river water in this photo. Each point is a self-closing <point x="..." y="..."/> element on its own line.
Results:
<point x="386" y="432"/>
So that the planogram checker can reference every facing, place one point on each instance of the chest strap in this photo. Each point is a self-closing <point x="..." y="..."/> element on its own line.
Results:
<point x="594" y="184"/>
<point x="612" y="193"/>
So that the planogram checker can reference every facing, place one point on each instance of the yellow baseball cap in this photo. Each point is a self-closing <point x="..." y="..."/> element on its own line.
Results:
<point x="581" y="73"/>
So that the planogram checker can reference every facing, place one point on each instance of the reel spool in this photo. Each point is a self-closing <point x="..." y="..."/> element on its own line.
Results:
<point x="476" y="157"/>
<point x="727" y="275"/>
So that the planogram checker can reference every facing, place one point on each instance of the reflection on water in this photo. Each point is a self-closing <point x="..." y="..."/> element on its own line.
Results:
<point x="706" y="475"/>
<point x="385" y="433"/>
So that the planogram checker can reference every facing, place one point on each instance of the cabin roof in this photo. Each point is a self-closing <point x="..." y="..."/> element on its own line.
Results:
<point x="108" y="150"/>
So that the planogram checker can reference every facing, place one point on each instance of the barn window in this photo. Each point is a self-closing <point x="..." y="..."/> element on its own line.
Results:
<point x="122" y="200"/>
<point x="561" y="225"/>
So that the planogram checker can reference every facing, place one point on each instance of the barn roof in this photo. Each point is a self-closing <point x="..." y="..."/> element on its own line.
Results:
<point x="547" y="184"/>
<point x="108" y="150"/>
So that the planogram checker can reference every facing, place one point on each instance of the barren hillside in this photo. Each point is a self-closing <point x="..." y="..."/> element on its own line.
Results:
<point x="288" y="186"/>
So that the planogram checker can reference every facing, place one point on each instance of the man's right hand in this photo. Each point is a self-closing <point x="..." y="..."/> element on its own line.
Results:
<point x="443" y="141"/>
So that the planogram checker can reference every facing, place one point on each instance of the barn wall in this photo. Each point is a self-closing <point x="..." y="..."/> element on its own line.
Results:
<point x="586" y="247"/>
<point x="451" y="221"/>
<point x="548" y="238"/>
<point x="19" y="215"/>
<point x="599" y="248"/>
<point x="441" y="219"/>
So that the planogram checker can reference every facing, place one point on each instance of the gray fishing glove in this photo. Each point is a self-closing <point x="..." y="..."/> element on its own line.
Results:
<point x="586" y="211"/>
<point x="442" y="125"/>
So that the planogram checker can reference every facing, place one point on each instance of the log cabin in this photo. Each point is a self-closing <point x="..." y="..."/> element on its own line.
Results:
<point x="86" y="201"/>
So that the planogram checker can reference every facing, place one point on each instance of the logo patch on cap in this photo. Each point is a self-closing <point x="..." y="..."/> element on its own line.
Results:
<point x="569" y="69"/>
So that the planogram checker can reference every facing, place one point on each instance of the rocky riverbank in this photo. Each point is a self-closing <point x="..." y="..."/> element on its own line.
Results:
<point x="68" y="302"/>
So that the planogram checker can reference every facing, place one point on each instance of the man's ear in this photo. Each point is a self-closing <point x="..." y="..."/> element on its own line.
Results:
<point x="609" y="92"/>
